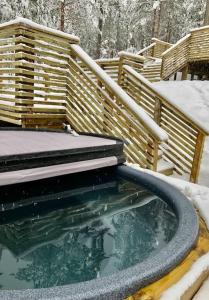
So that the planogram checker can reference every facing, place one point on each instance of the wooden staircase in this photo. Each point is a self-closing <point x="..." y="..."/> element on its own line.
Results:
<point x="194" y="47"/>
<point x="186" y="138"/>
<point x="152" y="71"/>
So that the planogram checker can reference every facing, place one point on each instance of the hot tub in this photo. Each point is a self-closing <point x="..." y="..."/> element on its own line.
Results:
<point x="96" y="234"/>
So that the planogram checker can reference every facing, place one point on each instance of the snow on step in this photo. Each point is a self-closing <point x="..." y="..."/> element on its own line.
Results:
<point x="203" y="293"/>
<point x="165" y="167"/>
<point x="190" y="97"/>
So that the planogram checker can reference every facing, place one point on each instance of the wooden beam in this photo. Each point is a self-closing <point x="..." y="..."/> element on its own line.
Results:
<point x="197" y="157"/>
<point x="184" y="73"/>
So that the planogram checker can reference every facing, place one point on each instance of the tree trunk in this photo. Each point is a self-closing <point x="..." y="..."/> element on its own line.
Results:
<point x="154" y="22"/>
<point x="62" y="15"/>
<point x="100" y="27"/>
<point x="118" y="28"/>
<point x="206" y="18"/>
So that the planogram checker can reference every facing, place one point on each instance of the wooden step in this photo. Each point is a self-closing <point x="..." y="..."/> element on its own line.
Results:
<point x="203" y="292"/>
<point x="165" y="167"/>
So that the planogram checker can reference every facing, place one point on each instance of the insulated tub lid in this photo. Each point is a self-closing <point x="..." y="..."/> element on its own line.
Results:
<point x="27" y="155"/>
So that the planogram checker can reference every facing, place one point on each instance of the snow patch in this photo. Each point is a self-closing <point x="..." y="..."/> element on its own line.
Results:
<point x="190" y="97"/>
<point x="180" y="288"/>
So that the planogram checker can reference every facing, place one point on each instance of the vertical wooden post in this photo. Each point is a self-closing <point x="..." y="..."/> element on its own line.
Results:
<point x="157" y="118"/>
<point x="120" y="72"/>
<point x="197" y="157"/>
<point x="157" y="112"/>
<point x="152" y="148"/>
<point x="62" y="15"/>
<point x="184" y="73"/>
<point x="22" y="82"/>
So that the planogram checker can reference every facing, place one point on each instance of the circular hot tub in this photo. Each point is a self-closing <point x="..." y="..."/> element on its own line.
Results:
<point x="101" y="234"/>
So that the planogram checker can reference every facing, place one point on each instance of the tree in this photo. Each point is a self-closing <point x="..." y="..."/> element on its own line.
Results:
<point x="206" y="16"/>
<point x="108" y="26"/>
<point x="62" y="15"/>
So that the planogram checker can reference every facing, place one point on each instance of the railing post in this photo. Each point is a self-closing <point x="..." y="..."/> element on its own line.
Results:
<point x="120" y="72"/>
<point x="197" y="157"/>
<point x="157" y="112"/>
<point x="184" y="73"/>
<point x="23" y="74"/>
<point x="152" y="149"/>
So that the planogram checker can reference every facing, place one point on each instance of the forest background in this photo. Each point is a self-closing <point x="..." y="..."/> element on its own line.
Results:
<point x="106" y="27"/>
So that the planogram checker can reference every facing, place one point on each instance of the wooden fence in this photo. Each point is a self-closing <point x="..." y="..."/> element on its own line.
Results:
<point x="47" y="79"/>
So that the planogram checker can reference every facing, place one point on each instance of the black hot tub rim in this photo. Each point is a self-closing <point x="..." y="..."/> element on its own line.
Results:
<point x="125" y="283"/>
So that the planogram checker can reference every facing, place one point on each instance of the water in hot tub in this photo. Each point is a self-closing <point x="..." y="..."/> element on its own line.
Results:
<point x="61" y="232"/>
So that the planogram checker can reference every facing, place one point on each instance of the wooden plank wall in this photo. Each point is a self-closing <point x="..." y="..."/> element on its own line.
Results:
<point x="33" y="69"/>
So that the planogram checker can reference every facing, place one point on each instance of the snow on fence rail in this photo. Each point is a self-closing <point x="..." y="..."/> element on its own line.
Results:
<point x="45" y="79"/>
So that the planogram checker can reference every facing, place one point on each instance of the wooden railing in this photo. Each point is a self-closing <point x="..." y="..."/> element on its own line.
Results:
<point x="156" y="49"/>
<point x="193" y="47"/>
<point x="186" y="138"/>
<point x="47" y="79"/>
<point x="101" y="106"/>
<point x="175" y="58"/>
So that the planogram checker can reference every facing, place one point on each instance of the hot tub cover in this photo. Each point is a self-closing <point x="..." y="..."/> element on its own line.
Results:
<point x="27" y="155"/>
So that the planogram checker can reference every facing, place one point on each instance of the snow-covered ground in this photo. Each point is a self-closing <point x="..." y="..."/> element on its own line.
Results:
<point x="192" y="98"/>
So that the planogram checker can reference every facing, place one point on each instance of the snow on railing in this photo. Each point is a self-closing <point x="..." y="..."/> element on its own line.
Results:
<point x="114" y="88"/>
